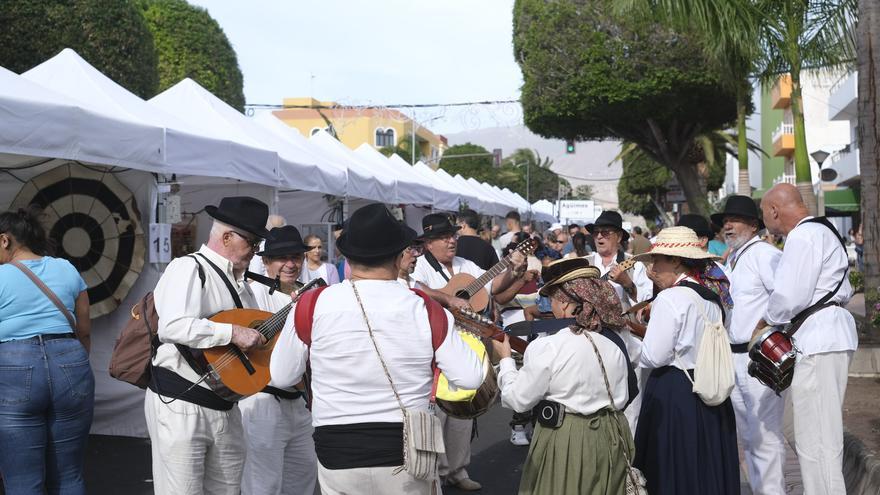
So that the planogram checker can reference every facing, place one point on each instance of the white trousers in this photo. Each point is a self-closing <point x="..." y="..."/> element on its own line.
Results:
<point x="281" y="456"/>
<point x="457" y="439"/>
<point x="195" y="449"/>
<point x="372" y="481"/>
<point x="632" y="410"/>
<point x="816" y="394"/>
<point x="759" y="413"/>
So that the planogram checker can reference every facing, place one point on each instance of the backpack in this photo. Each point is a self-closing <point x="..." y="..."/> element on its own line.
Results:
<point x="138" y="342"/>
<point x="713" y="372"/>
<point x="304" y="313"/>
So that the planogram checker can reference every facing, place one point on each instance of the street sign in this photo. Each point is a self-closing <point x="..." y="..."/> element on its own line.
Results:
<point x="577" y="210"/>
<point x="674" y="194"/>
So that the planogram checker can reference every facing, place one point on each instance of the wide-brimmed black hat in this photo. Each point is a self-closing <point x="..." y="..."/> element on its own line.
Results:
<point x="561" y="271"/>
<point x="609" y="218"/>
<point x="741" y="206"/>
<point x="697" y="223"/>
<point x="372" y="232"/>
<point x="284" y="241"/>
<point x="437" y="225"/>
<point x="243" y="212"/>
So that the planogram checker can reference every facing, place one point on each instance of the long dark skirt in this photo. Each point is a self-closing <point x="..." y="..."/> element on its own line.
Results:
<point x="684" y="446"/>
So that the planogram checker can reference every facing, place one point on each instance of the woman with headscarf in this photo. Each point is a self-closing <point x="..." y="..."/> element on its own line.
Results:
<point x="583" y="373"/>
<point x="683" y="445"/>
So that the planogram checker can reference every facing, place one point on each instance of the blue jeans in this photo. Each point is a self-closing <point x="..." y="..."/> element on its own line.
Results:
<point x="47" y="396"/>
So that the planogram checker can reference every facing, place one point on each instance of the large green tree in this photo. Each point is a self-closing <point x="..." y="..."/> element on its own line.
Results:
<point x="110" y="34"/>
<point x="469" y="160"/>
<point x="591" y="74"/>
<point x="190" y="43"/>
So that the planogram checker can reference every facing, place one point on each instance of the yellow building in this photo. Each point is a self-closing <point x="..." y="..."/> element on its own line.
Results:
<point x="380" y="127"/>
<point x="783" y="136"/>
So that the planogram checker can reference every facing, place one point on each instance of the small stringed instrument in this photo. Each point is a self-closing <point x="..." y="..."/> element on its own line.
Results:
<point x="624" y="265"/>
<point x="473" y="290"/>
<point x="467" y="404"/>
<point x="232" y="371"/>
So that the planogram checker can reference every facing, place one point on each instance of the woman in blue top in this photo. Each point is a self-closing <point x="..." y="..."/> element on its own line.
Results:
<point x="47" y="389"/>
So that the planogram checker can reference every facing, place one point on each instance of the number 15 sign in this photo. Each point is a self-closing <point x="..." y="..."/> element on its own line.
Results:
<point x="160" y="243"/>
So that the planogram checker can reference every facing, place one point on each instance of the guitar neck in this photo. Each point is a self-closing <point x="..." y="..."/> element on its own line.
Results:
<point x="275" y="323"/>
<point x="485" y="278"/>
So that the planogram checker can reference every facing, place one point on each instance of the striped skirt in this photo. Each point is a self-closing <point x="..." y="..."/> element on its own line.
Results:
<point x="584" y="456"/>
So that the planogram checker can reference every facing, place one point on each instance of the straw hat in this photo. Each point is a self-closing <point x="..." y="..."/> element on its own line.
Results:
<point x="678" y="241"/>
<point x="561" y="271"/>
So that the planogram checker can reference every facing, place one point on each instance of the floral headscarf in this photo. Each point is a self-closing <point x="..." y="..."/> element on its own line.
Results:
<point x="599" y="304"/>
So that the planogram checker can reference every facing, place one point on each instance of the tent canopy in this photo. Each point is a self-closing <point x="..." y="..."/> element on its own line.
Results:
<point x="363" y="181"/>
<point x="410" y="189"/>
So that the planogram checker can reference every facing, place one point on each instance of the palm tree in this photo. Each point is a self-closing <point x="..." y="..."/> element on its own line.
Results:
<point x="869" y="136"/>
<point x="795" y="35"/>
<point x="729" y="37"/>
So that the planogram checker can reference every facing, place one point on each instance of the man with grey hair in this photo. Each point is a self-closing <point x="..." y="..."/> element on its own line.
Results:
<point x="759" y="411"/>
<point x="196" y="431"/>
<point x="811" y="288"/>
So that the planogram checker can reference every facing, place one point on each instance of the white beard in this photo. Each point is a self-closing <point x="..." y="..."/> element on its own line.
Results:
<point x="739" y="241"/>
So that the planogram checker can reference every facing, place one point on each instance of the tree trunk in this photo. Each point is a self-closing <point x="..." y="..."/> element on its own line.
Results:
<point x="803" y="176"/>
<point x="744" y="186"/>
<point x="694" y="188"/>
<point x="868" y="38"/>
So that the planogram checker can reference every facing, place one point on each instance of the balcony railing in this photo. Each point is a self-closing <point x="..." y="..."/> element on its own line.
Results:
<point x="787" y="179"/>
<point x="784" y="128"/>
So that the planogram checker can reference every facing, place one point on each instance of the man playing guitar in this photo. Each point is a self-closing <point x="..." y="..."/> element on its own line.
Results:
<point x="432" y="272"/>
<point x="196" y="435"/>
<point x="631" y="289"/>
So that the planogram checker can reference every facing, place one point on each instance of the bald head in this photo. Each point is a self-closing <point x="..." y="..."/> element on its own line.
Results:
<point x="783" y="207"/>
<point x="275" y="221"/>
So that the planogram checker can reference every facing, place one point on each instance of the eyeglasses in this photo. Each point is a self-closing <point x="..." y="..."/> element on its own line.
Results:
<point x="604" y="232"/>
<point x="252" y="242"/>
<point x="417" y="250"/>
<point x="316" y="247"/>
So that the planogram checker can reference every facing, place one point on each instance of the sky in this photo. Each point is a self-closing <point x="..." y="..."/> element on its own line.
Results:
<point x="379" y="53"/>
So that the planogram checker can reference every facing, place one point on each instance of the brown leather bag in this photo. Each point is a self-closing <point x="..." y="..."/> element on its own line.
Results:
<point x="132" y="358"/>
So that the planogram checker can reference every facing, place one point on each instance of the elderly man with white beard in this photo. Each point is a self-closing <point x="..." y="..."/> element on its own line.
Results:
<point x="751" y="266"/>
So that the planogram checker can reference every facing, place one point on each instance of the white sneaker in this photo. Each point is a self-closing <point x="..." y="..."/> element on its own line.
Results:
<point x="518" y="435"/>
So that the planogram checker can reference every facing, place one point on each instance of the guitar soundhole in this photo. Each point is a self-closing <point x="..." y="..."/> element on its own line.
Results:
<point x="463" y="294"/>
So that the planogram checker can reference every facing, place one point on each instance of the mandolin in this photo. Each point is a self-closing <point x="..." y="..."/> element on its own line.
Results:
<point x="233" y="372"/>
<point x="624" y="265"/>
<point x="471" y="322"/>
<point x="473" y="289"/>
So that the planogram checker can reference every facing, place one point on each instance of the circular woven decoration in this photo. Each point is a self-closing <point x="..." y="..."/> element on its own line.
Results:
<point x="92" y="221"/>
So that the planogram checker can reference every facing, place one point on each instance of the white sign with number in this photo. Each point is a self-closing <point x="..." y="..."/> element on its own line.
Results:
<point x="160" y="243"/>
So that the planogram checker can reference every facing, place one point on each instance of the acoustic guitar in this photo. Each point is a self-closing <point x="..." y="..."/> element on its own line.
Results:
<point x="473" y="290"/>
<point x="245" y="373"/>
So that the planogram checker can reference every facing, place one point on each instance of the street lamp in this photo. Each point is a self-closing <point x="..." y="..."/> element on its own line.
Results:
<point x="820" y="156"/>
<point x="415" y="126"/>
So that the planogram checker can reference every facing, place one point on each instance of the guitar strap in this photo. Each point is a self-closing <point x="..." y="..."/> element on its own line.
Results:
<point x="435" y="264"/>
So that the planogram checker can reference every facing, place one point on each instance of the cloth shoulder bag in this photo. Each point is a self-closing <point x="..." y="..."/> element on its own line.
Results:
<point x="422" y="431"/>
<point x="713" y="373"/>
<point x="635" y="480"/>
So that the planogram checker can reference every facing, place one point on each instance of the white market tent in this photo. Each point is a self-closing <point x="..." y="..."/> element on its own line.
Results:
<point x="492" y="204"/>
<point x="410" y="189"/>
<point x="466" y="195"/>
<point x="362" y="181"/>
<point x="445" y="197"/>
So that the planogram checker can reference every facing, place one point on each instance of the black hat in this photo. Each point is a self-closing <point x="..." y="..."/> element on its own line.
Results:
<point x="437" y="225"/>
<point x="284" y="241"/>
<point x="741" y="206"/>
<point x="243" y="212"/>
<point x="372" y="232"/>
<point x="697" y="223"/>
<point x="609" y="218"/>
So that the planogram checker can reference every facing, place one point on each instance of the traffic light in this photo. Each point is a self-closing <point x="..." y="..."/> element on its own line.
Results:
<point x="496" y="157"/>
<point x="569" y="146"/>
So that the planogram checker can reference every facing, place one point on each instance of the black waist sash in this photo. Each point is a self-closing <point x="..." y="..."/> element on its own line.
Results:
<point x="281" y="393"/>
<point x="359" y="445"/>
<point x="169" y="384"/>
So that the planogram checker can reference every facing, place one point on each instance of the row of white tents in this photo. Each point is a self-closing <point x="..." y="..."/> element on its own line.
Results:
<point x="64" y="111"/>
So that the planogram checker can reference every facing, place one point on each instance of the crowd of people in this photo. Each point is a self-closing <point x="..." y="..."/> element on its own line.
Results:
<point x="611" y="397"/>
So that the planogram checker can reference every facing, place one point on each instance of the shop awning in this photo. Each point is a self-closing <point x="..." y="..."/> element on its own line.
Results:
<point x="841" y="201"/>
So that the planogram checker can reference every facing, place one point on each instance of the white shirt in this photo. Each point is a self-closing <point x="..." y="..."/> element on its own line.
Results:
<point x="676" y="327"/>
<point x="505" y="239"/>
<point x="348" y="383"/>
<point x="563" y="368"/>
<point x="644" y="291"/>
<point x="426" y="275"/>
<point x="184" y="307"/>
<point x="812" y="264"/>
<point x="272" y="303"/>
<point x="751" y="280"/>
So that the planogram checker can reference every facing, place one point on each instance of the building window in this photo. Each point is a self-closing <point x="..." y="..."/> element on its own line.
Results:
<point x="384" y="137"/>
